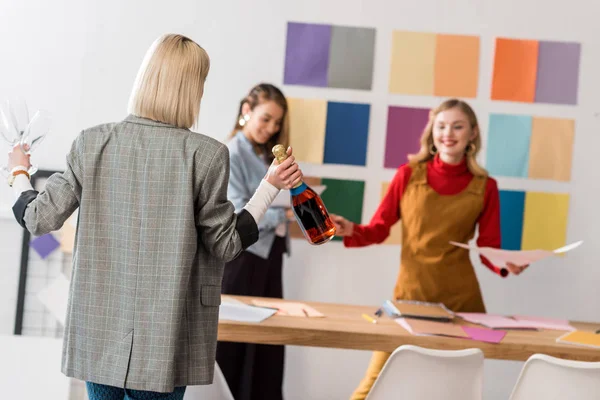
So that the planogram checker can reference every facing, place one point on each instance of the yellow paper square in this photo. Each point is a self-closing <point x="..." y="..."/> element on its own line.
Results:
<point x="396" y="231"/>
<point x="413" y="63"/>
<point x="308" y="119"/>
<point x="545" y="221"/>
<point x="551" y="148"/>
<point x="67" y="236"/>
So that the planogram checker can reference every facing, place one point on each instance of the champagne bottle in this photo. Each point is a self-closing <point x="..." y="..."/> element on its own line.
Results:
<point x="309" y="209"/>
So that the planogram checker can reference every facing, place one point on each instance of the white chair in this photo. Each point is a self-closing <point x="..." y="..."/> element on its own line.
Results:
<point x="414" y="372"/>
<point x="550" y="378"/>
<point x="219" y="390"/>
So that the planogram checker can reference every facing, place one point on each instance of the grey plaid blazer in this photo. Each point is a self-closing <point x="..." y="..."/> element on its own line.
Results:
<point x="154" y="231"/>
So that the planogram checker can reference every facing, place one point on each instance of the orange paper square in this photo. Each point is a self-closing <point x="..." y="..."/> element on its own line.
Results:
<point x="515" y="70"/>
<point x="456" y="66"/>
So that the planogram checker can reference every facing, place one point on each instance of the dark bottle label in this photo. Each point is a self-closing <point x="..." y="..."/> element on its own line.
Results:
<point x="310" y="215"/>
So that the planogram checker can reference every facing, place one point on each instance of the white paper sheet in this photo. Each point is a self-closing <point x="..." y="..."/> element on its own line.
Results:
<point x="500" y="257"/>
<point x="229" y="311"/>
<point x="283" y="199"/>
<point x="55" y="297"/>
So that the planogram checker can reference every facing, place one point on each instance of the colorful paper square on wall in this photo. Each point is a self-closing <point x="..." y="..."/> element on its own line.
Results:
<point x="404" y="128"/>
<point x="319" y="55"/>
<point x="427" y="64"/>
<point x="395" y="236"/>
<point x="512" y="209"/>
<point x="530" y="147"/>
<point x="341" y="197"/>
<point x="533" y="220"/>
<point x="508" y="145"/>
<point x="536" y="71"/>
<point x="329" y="132"/>
<point x="346" y="133"/>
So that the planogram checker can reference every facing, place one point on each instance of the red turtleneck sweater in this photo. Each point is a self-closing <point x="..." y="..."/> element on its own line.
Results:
<point x="446" y="179"/>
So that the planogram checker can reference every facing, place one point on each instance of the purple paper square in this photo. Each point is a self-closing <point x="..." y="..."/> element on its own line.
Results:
<point x="307" y="54"/>
<point x="558" y="73"/>
<point x="45" y="244"/>
<point x="404" y="128"/>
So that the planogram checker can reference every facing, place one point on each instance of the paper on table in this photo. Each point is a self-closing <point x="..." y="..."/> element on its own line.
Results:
<point x="289" y="309"/>
<point x="581" y="338"/>
<point x="231" y="311"/>
<point x="422" y="327"/>
<point x="55" y="298"/>
<point x="546" y="323"/>
<point x="484" y="335"/>
<point x="496" y="321"/>
<point x="500" y="257"/>
<point x="283" y="198"/>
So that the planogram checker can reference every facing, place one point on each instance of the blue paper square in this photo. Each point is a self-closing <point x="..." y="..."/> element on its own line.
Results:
<point x="44" y="245"/>
<point x="509" y="138"/>
<point x="346" y="133"/>
<point x="512" y="211"/>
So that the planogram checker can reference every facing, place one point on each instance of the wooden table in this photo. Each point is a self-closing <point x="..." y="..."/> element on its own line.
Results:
<point x="344" y="328"/>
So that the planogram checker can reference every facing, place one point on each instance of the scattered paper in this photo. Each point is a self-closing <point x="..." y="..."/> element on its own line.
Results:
<point x="500" y="257"/>
<point x="546" y="323"/>
<point x="55" y="298"/>
<point x="581" y="338"/>
<point x="229" y="311"/>
<point x="283" y="199"/>
<point x="423" y="327"/>
<point x="484" y="335"/>
<point x="289" y="308"/>
<point x="493" y="321"/>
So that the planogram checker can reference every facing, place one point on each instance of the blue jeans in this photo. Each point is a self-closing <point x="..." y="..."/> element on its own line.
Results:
<point x="97" y="391"/>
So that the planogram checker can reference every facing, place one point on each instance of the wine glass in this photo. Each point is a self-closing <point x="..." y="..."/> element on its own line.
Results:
<point x="14" y="117"/>
<point x="34" y="134"/>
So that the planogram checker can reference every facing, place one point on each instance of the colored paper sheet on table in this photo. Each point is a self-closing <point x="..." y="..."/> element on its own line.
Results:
<point x="345" y="198"/>
<point x="558" y="73"/>
<point x="456" y="76"/>
<point x="484" y="335"/>
<point x="515" y="70"/>
<point x="404" y="128"/>
<point x="307" y="129"/>
<point x="413" y="61"/>
<point x="545" y="323"/>
<point x="512" y="210"/>
<point x="545" y="222"/>
<point x="500" y="257"/>
<point x="346" y="133"/>
<point x="230" y="311"/>
<point x="55" y="298"/>
<point x="551" y="149"/>
<point x="351" y="58"/>
<point x="494" y="321"/>
<point x="508" y="145"/>
<point x="581" y="338"/>
<point x="395" y="236"/>
<point x="307" y="54"/>
<point x="289" y="308"/>
<point x="44" y="245"/>
<point x="423" y="327"/>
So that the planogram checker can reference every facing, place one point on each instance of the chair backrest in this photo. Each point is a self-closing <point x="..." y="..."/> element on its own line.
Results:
<point x="219" y="390"/>
<point x="414" y="372"/>
<point x="549" y="378"/>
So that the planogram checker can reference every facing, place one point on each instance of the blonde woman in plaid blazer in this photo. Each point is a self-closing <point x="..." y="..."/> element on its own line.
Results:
<point x="154" y="231"/>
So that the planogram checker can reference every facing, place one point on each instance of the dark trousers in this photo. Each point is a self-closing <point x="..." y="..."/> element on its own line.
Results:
<point x="254" y="371"/>
<point x="97" y="391"/>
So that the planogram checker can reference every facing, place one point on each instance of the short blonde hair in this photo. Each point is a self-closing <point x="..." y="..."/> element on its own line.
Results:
<point x="170" y="82"/>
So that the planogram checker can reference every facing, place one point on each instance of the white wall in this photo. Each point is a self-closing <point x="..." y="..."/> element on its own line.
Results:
<point x="79" y="58"/>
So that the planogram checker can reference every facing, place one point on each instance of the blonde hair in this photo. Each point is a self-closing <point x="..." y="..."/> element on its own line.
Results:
<point x="472" y="150"/>
<point x="170" y="82"/>
<point x="260" y="94"/>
